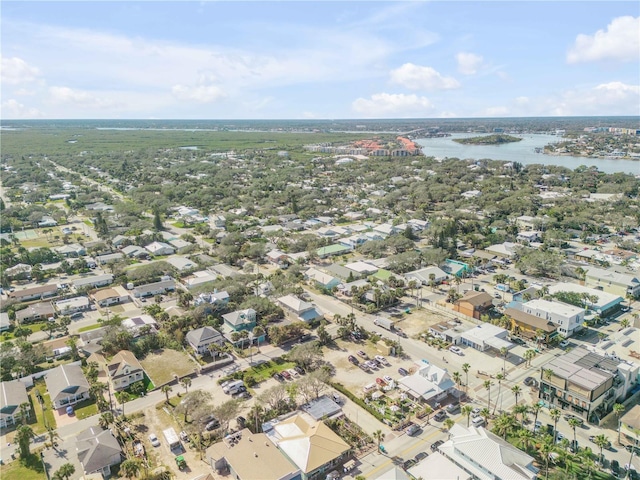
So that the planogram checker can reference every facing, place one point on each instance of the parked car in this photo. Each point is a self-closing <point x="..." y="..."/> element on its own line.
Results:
<point x="286" y="375"/>
<point x="300" y="370"/>
<point x="421" y="456"/>
<point x="371" y="364"/>
<point x="387" y="379"/>
<point x="212" y="425"/>
<point x="476" y="411"/>
<point x="408" y="464"/>
<point x="440" y="416"/>
<point x="154" y="440"/>
<point x="412" y="430"/>
<point x="435" y="445"/>
<point x="382" y="360"/>
<point x="380" y="382"/>
<point x="278" y="377"/>
<point x="453" y="407"/>
<point x="293" y="372"/>
<point x="615" y="467"/>
<point x="537" y="425"/>
<point x="362" y="354"/>
<point x="573" y="446"/>
<point x="456" y="350"/>
<point x="530" y="381"/>
<point x="241" y="421"/>
<point x="353" y="360"/>
<point x="403" y="372"/>
<point x="564" y="343"/>
<point x="183" y="436"/>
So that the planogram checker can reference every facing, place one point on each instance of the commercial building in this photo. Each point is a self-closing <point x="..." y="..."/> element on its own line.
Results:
<point x="603" y="303"/>
<point x="485" y="336"/>
<point x="567" y="317"/>
<point x="613" y="282"/>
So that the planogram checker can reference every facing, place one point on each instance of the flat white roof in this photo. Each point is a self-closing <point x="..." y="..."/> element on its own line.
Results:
<point x="604" y="298"/>
<point x="559" y="308"/>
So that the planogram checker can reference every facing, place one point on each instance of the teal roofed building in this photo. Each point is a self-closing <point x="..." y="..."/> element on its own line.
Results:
<point x="334" y="249"/>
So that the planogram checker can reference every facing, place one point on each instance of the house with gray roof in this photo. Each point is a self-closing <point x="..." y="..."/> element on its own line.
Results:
<point x="200" y="339"/>
<point x="66" y="385"/>
<point x="93" y="281"/>
<point x="156" y="288"/>
<point x="98" y="450"/>
<point x="12" y="395"/>
<point x="5" y="322"/>
<point x="305" y="311"/>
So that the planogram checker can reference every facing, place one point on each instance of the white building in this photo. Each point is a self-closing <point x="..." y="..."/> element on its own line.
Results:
<point x="429" y="383"/>
<point x="568" y="318"/>
<point x="486" y="336"/>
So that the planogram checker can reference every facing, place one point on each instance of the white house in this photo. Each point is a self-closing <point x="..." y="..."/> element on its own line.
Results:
<point x="160" y="248"/>
<point x="568" y="317"/>
<point x="429" y="383"/>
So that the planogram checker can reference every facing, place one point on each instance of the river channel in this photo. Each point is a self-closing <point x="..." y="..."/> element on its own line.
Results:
<point x="522" y="152"/>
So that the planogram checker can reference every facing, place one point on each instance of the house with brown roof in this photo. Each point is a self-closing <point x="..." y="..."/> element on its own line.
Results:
<point x="110" y="296"/>
<point x="474" y="304"/>
<point x="36" y="311"/>
<point x="528" y="326"/>
<point x="124" y="369"/>
<point x="309" y="444"/>
<point x="34" y="293"/>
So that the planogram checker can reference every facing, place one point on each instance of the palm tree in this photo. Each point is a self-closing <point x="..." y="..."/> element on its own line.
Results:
<point x="66" y="470"/>
<point x="521" y="410"/>
<point x="123" y="397"/>
<point x="487" y="384"/>
<point x="504" y="351"/>
<point x="23" y="437"/>
<point x="457" y="378"/>
<point x="574" y="423"/>
<point x="544" y="449"/>
<point x="25" y="408"/>
<point x="448" y="423"/>
<point x="525" y="438"/>
<point x="529" y="355"/>
<point x="130" y="467"/>
<point x="555" y="414"/>
<point x="428" y="411"/>
<point x="485" y="413"/>
<point x="535" y="409"/>
<point x="624" y="323"/>
<point x="186" y="383"/>
<point x="52" y="436"/>
<point x="516" y="390"/>
<point x="618" y="410"/>
<point x="504" y="424"/>
<point x="586" y="457"/>
<point x="258" y="332"/>
<point x="466" y="411"/>
<point x="465" y="368"/>
<point x="166" y="389"/>
<point x="378" y="436"/>
<point x="105" y="420"/>
<point x="601" y="441"/>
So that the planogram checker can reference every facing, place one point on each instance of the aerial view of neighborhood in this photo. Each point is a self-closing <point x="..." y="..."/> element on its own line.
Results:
<point x="317" y="300"/>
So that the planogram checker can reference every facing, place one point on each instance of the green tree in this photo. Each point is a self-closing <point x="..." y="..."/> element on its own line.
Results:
<point x="487" y="385"/>
<point x="186" y="383"/>
<point x="157" y="220"/>
<point x="574" y="423"/>
<point x="23" y="437"/>
<point x="465" y="368"/>
<point x="378" y="436"/>
<point x="602" y="442"/>
<point x="66" y="470"/>
<point x="448" y="423"/>
<point x="130" y="468"/>
<point x="618" y="410"/>
<point x="517" y="391"/>
<point x="166" y="389"/>
<point x="555" y="414"/>
<point x="466" y="411"/>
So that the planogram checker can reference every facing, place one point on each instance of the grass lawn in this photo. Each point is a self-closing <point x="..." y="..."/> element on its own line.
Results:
<point x="89" y="327"/>
<point x="42" y="418"/>
<point x="265" y="370"/>
<point x="164" y="365"/>
<point x="32" y="469"/>
<point x="85" y="409"/>
<point x="34" y="327"/>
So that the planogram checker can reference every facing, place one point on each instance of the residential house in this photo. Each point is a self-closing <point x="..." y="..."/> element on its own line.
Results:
<point x="120" y="240"/>
<point x="530" y="326"/>
<point x="134" y="251"/>
<point x="141" y="325"/>
<point x="156" y="288"/>
<point x="529" y="236"/>
<point x="34" y="293"/>
<point x="224" y="270"/>
<point x="320" y="279"/>
<point x="110" y="296"/>
<point x="486" y="456"/>
<point x="12" y="395"/>
<point x="474" y="304"/>
<point x="613" y="282"/>
<point x="98" y="450"/>
<point x="124" y="369"/>
<point x="423" y="276"/>
<point x="71" y="250"/>
<point x="200" y="339"/>
<point x="456" y="268"/>
<point x="198" y="278"/>
<point x="503" y="250"/>
<point x="238" y="321"/>
<point x="309" y="445"/>
<point x="485" y="336"/>
<point x="69" y="306"/>
<point x="429" y="383"/>
<point x="331" y="250"/>
<point x="47" y="222"/>
<point x="304" y="311"/>
<point x="276" y="257"/>
<point x="219" y="299"/>
<point x="36" y="311"/>
<point x="66" y="385"/>
<point x="568" y="318"/>
<point x="361" y="268"/>
<point x="265" y="288"/>
<point x="93" y="281"/>
<point x="182" y="264"/>
<point x="248" y="456"/>
<point x="160" y="248"/>
<point x="109" y="258"/>
<point x="5" y="322"/>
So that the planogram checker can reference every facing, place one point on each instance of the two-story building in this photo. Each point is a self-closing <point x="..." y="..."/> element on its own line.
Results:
<point x="568" y="318"/>
<point x="66" y="385"/>
<point x="621" y="284"/>
<point x="303" y="311"/>
<point x="124" y="369"/>
<point x="201" y="338"/>
<point x="13" y="394"/>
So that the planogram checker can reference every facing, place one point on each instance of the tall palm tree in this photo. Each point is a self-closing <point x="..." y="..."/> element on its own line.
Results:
<point x="23" y="437"/>
<point x="618" y="410"/>
<point x="123" y="397"/>
<point x="504" y="424"/>
<point x="601" y="441"/>
<point x="25" y="408"/>
<point x="574" y="423"/>
<point x="465" y="368"/>
<point x="166" y="389"/>
<point x="378" y="436"/>
<point x="186" y="383"/>
<point x="487" y="384"/>
<point x="504" y="351"/>
<point x="457" y="378"/>
<point x="525" y="438"/>
<point x="535" y="409"/>
<point x="521" y="410"/>
<point x="555" y="414"/>
<point x="485" y="413"/>
<point x="529" y="355"/>
<point x="517" y="391"/>
<point x="448" y="423"/>
<point x="66" y="470"/>
<point x="52" y="436"/>
<point x="105" y="420"/>
<point x="130" y="467"/>
<point x="466" y="411"/>
<point x="544" y="449"/>
<point x="499" y="377"/>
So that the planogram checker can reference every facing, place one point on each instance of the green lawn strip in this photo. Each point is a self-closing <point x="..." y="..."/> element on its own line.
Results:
<point x="32" y="469"/>
<point x="42" y="419"/>
<point x="89" y="327"/>
<point x="86" y="408"/>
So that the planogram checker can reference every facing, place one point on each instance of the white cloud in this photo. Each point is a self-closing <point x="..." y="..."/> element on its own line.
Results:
<point x="16" y="71"/>
<point x="621" y="42"/>
<point x="13" y="109"/>
<point x="78" y="98"/>
<point x="468" y="63"/>
<point x="496" y="112"/>
<point x="392" y="104"/>
<point x="198" y="93"/>
<point x="416" y="77"/>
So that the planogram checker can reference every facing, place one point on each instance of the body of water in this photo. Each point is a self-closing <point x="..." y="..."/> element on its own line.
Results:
<point x="522" y="152"/>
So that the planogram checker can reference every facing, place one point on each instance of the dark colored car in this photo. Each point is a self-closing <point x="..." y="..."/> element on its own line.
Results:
<point x="435" y="445"/>
<point x="241" y="421"/>
<point x="300" y="370"/>
<point x="408" y="464"/>
<point x="278" y="377"/>
<point x="421" y="456"/>
<point x="440" y="416"/>
<point x="212" y="425"/>
<point x="353" y="360"/>
<point x="413" y="429"/>
<point x="403" y="372"/>
<point x="615" y="467"/>
<point x="530" y="381"/>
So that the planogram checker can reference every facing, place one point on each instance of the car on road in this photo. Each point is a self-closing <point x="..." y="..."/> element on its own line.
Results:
<point x="408" y="464"/>
<point x="573" y="446"/>
<point x="412" y="430"/>
<point x="403" y="372"/>
<point x="440" y="416"/>
<point x="476" y="411"/>
<point x="530" y="382"/>
<point x="456" y="350"/>
<point x="421" y="456"/>
<point x="435" y="445"/>
<point x="564" y="343"/>
<point x="154" y="440"/>
<point x="353" y="360"/>
<point x="497" y="295"/>
<point x="362" y="354"/>
<point x="615" y="467"/>
<point x="241" y="421"/>
<point x="453" y="408"/>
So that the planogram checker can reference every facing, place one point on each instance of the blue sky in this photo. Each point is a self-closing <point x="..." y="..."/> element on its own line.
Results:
<point x="325" y="59"/>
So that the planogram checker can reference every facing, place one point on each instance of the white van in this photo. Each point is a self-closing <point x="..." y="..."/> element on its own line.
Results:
<point x="370" y="387"/>
<point x="232" y="387"/>
<point x="478" y="422"/>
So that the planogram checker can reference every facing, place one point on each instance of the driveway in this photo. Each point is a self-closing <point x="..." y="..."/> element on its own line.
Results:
<point x="62" y="418"/>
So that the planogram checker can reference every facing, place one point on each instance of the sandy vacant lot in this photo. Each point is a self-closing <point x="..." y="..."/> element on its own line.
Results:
<point x="163" y="365"/>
